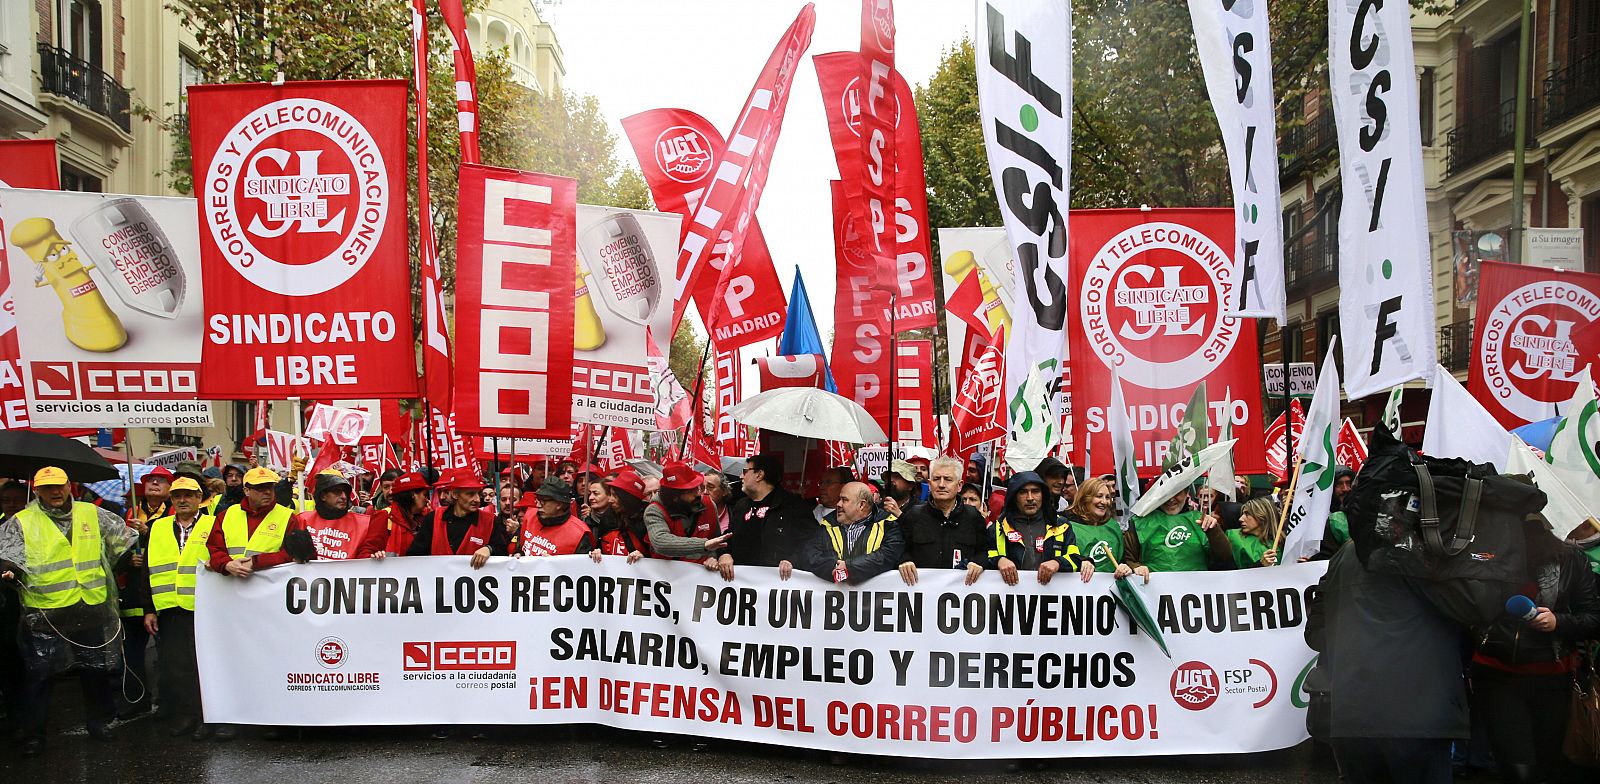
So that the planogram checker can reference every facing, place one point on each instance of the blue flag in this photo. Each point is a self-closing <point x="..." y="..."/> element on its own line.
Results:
<point x="800" y="334"/>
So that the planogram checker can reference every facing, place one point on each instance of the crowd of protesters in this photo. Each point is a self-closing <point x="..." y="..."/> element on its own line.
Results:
<point x="918" y="515"/>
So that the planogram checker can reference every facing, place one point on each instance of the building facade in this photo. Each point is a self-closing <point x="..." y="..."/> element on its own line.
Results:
<point x="517" y="30"/>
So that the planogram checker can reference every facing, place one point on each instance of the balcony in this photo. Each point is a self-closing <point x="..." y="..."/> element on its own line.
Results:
<point x="1572" y="90"/>
<point x="1311" y="262"/>
<point x="67" y="76"/>
<point x="177" y="437"/>
<point x="1305" y="144"/>
<point x="1455" y="345"/>
<point x="1481" y="137"/>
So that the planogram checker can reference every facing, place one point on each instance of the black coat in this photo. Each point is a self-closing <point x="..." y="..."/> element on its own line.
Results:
<point x="860" y="563"/>
<point x="934" y="539"/>
<point x="777" y="528"/>
<point x="1566" y="586"/>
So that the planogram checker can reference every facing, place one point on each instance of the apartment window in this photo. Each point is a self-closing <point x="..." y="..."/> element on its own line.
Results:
<point x="1583" y="34"/>
<point x="1327" y="331"/>
<point x="1295" y="341"/>
<point x="244" y="420"/>
<point x="80" y="30"/>
<point x="189" y="75"/>
<point x="82" y="182"/>
<point x="1425" y="105"/>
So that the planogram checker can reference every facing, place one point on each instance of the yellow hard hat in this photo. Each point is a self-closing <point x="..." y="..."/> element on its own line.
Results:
<point x="50" y="476"/>
<point x="35" y="236"/>
<point x="184" y="483"/>
<point x="261" y="475"/>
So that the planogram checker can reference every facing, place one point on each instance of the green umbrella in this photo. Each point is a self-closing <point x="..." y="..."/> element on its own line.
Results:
<point x="1128" y="597"/>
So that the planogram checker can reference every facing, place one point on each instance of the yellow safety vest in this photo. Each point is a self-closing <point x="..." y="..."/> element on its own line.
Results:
<point x="63" y="573"/>
<point x="874" y="537"/>
<point x="211" y="504"/>
<point x="172" y="572"/>
<point x="268" y="537"/>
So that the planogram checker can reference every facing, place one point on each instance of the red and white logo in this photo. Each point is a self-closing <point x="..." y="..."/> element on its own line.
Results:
<point x="850" y="106"/>
<point x="1528" y="356"/>
<point x="427" y="656"/>
<point x="1194" y="686"/>
<point x="882" y="22"/>
<point x="331" y="652"/>
<point x="298" y="195"/>
<point x="683" y="154"/>
<point x="1152" y="304"/>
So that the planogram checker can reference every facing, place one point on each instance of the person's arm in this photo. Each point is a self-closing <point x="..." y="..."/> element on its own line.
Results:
<point x="1219" y="551"/>
<point x="886" y="558"/>
<point x="1132" y="553"/>
<point x="1581" y="620"/>
<point x="377" y="537"/>
<point x="278" y="557"/>
<point x="818" y="556"/>
<point x="994" y="548"/>
<point x="422" y="538"/>
<point x="664" y="542"/>
<point x="217" y="545"/>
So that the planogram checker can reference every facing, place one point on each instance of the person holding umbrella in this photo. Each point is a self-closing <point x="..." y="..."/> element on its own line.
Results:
<point x="61" y="555"/>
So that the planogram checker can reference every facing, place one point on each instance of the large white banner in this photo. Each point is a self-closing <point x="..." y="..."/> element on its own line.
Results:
<point x="1024" y="62"/>
<point x="1236" y="55"/>
<point x="939" y="670"/>
<point x="108" y="307"/>
<point x="1385" y="270"/>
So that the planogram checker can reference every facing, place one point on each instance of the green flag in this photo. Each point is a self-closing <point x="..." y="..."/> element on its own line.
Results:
<point x="1391" y="411"/>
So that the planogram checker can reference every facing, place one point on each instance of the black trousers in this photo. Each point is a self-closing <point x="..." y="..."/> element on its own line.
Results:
<point x="39" y="682"/>
<point x="1527" y="721"/>
<point x="135" y="680"/>
<point x="180" y="674"/>
<point x="1397" y="760"/>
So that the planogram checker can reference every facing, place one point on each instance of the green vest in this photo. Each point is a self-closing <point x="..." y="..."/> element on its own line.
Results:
<point x="1097" y="541"/>
<point x="172" y="572"/>
<point x="1594" y="558"/>
<point x="1339" y="526"/>
<point x="1172" y="543"/>
<point x="63" y="573"/>
<point x="268" y="537"/>
<point x="1247" y="550"/>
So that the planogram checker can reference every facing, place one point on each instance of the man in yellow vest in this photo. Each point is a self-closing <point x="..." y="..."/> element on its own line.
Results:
<point x="857" y="541"/>
<point x="250" y="534"/>
<point x="60" y="555"/>
<point x="175" y="550"/>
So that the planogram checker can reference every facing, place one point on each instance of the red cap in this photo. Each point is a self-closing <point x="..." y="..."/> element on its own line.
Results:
<point x="529" y="500"/>
<point x="462" y="479"/>
<point x="628" y="481"/>
<point x="921" y="461"/>
<point x="590" y="468"/>
<point x="159" y="472"/>
<point x="406" y="483"/>
<point x="679" y="476"/>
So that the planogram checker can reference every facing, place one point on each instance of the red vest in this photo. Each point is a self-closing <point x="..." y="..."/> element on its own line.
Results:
<point x="536" y="538"/>
<point x="704" y="528"/>
<point x="336" y="540"/>
<point x="621" y="542"/>
<point x="477" y="536"/>
<point x="401" y="531"/>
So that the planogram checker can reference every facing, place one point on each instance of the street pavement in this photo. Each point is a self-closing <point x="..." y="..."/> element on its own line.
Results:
<point x="143" y="751"/>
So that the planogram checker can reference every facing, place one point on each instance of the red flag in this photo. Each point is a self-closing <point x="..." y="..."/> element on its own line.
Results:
<point x="678" y="151"/>
<point x="1528" y="339"/>
<point x="516" y="262"/>
<point x="804" y="370"/>
<point x="466" y="78"/>
<point x="965" y="303"/>
<point x="861" y="324"/>
<point x="722" y="218"/>
<point x="23" y="164"/>
<point x="1276" y="464"/>
<point x="435" y="337"/>
<point x="304" y="260"/>
<point x="730" y="390"/>
<point x="877" y="148"/>
<point x="1351" y="450"/>
<point x="978" y="417"/>
<point x="913" y="400"/>
<point x="328" y="454"/>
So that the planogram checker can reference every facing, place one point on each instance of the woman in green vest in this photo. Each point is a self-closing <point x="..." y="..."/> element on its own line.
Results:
<point x="1099" y="535"/>
<point x="1174" y="539"/>
<point x="1252" y="540"/>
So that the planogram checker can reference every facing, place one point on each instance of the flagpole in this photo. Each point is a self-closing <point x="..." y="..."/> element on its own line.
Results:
<point x="1288" y="417"/>
<point x="1283" y="514"/>
<point x="299" y="486"/>
<point x="894" y="381"/>
<point x="695" y="402"/>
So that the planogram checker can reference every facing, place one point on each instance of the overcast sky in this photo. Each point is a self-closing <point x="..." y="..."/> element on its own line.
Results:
<point x="703" y="55"/>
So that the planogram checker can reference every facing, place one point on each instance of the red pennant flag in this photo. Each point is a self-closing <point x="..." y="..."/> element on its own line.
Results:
<point x="978" y="417"/>
<point x="1351" y="450"/>
<point x="466" y="78"/>
<point x="966" y="302"/>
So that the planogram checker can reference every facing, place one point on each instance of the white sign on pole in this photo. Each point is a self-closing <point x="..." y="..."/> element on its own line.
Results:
<point x="1302" y="378"/>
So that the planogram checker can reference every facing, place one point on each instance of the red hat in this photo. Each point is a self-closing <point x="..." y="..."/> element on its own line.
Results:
<point x="529" y="500"/>
<point x="628" y="481"/>
<point x="406" y="483"/>
<point x="462" y="479"/>
<point x="590" y="468"/>
<point x="159" y="472"/>
<point x="679" y="476"/>
<point x="921" y="461"/>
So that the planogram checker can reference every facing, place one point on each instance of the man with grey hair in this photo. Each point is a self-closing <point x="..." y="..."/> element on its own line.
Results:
<point x="857" y="542"/>
<point x="943" y="533"/>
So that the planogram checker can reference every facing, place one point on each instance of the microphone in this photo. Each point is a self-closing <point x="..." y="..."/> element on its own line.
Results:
<point x="1522" y="608"/>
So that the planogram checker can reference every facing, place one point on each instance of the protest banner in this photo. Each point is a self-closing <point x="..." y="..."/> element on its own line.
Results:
<point x="27" y="163"/>
<point x="730" y="435"/>
<point x="1154" y="288"/>
<point x="939" y="670"/>
<point x="1351" y="448"/>
<point x="525" y="450"/>
<point x="120" y="347"/>
<point x="516" y="261"/>
<point x="344" y="425"/>
<point x="978" y="280"/>
<point x="282" y="448"/>
<point x="170" y="459"/>
<point x="384" y="419"/>
<point x="625" y="266"/>
<point x="913" y="401"/>
<point x="978" y="415"/>
<point x="1386" y="307"/>
<point x="303" y="241"/>
<point x="1276" y="463"/>
<point x="861" y="328"/>
<point x="1302" y="379"/>
<point x="1525" y="360"/>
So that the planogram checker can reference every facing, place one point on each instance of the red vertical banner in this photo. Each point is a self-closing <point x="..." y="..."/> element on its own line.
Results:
<point x="877" y="148"/>
<point x="1153" y="285"/>
<point x="1525" y="359"/>
<point x="860" y="359"/>
<point x="516" y="260"/>
<point x="730" y="390"/>
<point x="27" y="163"/>
<point x="304" y="259"/>
<point x="435" y="336"/>
<point x="913" y="399"/>
<point x="455" y="19"/>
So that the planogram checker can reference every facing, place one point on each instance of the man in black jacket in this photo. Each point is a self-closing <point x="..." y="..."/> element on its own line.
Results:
<point x="943" y="533"/>
<point x="857" y="542"/>
<point x="770" y="526"/>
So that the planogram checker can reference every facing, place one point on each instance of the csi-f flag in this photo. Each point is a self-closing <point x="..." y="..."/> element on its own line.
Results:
<point x="1194" y="427"/>
<point x="1127" y="464"/>
<point x="1236" y="56"/>
<point x="1459" y="426"/>
<point x="1181" y="475"/>
<point x="1024" y="70"/>
<point x="1385" y="270"/>
<point x="1313" y="492"/>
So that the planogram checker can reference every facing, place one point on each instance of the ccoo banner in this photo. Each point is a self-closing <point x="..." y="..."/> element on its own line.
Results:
<point x="303" y="239"/>
<point x="1153" y="289"/>
<point x="1386" y="309"/>
<point x="938" y="670"/>
<point x="24" y="163"/>
<point x="109" y="319"/>
<point x="1525" y="360"/>
<point x="515" y="267"/>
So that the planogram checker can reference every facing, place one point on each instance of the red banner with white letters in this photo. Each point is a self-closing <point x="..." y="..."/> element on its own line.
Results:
<point x="730" y="435"/>
<point x="1150" y="290"/>
<point x="516" y="263"/>
<point x="29" y="163"/>
<point x="860" y="359"/>
<point x="678" y="151"/>
<point x="909" y="268"/>
<point x="978" y="416"/>
<point x="1525" y="358"/>
<point x="803" y="370"/>
<point x="304" y="257"/>
<point x="913" y="399"/>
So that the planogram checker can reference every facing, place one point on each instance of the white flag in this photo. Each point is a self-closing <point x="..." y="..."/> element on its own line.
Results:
<point x="1313" y="492"/>
<point x="1236" y="56"/>
<point x="1024" y="64"/>
<point x="1221" y="477"/>
<point x="1572" y="447"/>
<point x="1458" y="425"/>
<point x="1570" y="505"/>
<point x="1181" y="475"/>
<point x="1127" y="463"/>
<point x="1385" y="270"/>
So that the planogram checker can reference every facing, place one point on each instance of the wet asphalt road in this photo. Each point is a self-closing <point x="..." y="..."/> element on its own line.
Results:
<point x="144" y="752"/>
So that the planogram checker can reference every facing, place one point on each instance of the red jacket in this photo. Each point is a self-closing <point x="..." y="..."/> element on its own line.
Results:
<point x="399" y="530"/>
<point x="217" y="543"/>
<point x="569" y="537"/>
<point x="351" y="536"/>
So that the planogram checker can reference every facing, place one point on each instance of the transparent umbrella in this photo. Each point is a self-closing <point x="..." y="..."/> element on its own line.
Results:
<point x="809" y="413"/>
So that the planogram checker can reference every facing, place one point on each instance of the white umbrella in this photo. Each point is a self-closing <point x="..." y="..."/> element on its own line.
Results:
<point x="809" y="413"/>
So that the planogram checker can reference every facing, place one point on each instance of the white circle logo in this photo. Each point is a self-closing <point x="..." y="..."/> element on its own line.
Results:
<point x="298" y="196"/>
<point x="850" y="106"/>
<point x="1152" y="305"/>
<point x="683" y="154"/>
<point x="1528" y="358"/>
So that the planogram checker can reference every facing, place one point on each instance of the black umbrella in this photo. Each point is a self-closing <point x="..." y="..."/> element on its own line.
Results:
<point x="23" y="452"/>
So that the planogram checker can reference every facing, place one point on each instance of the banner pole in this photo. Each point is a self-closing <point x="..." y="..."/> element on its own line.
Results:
<point x="599" y="442"/>
<point x="1283" y="514"/>
<point x="1288" y="418"/>
<point x="894" y="381"/>
<point x="427" y="426"/>
<point x="497" y="501"/>
<point x="299" y="425"/>
<point x="694" y="402"/>
<point x="127" y="484"/>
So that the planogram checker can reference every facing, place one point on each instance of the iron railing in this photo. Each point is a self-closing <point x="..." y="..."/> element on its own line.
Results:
<point x="1305" y="143"/>
<point x="82" y="83"/>
<point x="1311" y="260"/>
<point x="1572" y="90"/>
<point x="1487" y="133"/>
<point x="1455" y="345"/>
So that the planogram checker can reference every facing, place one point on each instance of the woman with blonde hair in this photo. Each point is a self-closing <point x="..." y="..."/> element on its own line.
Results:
<point x="1099" y="535"/>
<point x="1251" y="542"/>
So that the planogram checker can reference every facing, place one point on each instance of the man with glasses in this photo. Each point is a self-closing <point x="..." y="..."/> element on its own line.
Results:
<point x="833" y="481"/>
<point x="771" y="526"/>
<point x="857" y="542"/>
